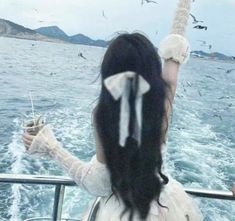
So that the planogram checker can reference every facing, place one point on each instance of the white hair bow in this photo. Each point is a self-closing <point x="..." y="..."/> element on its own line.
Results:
<point x="119" y="87"/>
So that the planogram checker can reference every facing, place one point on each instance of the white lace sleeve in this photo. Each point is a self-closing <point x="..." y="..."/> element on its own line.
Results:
<point x="92" y="176"/>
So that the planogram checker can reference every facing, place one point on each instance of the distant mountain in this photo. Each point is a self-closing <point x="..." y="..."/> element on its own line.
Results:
<point x="52" y="31"/>
<point x="213" y="56"/>
<point x="56" y="32"/>
<point x="83" y="39"/>
<point x="12" y="30"/>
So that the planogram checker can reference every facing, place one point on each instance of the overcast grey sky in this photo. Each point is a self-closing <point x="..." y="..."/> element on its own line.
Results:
<point x="85" y="16"/>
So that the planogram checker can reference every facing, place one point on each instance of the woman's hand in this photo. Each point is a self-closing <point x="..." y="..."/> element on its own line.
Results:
<point x="27" y="139"/>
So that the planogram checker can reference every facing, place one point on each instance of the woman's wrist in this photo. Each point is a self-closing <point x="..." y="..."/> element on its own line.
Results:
<point x="175" y="47"/>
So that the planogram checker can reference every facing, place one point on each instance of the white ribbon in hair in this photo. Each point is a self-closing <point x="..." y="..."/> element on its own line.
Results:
<point x="119" y="87"/>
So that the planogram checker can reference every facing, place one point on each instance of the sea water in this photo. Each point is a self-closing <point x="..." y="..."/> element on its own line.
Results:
<point x="65" y="88"/>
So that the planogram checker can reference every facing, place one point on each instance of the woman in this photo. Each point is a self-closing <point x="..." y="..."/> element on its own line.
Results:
<point x="131" y="120"/>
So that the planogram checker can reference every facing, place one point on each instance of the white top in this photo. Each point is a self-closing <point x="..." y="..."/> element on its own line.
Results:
<point x="95" y="178"/>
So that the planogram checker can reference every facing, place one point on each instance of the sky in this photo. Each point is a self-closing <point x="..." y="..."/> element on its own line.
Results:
<point x="102" y="19"/>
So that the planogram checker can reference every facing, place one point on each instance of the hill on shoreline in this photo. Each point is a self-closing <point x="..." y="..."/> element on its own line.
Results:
<point x="51" y="34"/>
<point x="55" y="34"/>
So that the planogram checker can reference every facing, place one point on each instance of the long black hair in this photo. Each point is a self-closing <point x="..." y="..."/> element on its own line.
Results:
<point x="136" y="174"/>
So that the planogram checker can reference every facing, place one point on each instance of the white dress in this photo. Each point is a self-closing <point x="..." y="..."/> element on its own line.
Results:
<point x="94" y="177"/>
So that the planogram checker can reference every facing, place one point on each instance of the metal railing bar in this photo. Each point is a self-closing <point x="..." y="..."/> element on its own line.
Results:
<point x="58" y="202"/>
<point x="214" y="194"/>
<point x="54" y="180"/>
<point x="94" y="209"/>
<point x="48" y="218"/>
<point x="36" y="179"/>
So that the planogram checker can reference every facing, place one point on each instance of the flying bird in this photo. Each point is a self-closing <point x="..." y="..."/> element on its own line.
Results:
<point x="148" y="1"/>
<point x="189" y="83"/>
<point x="195" y="21"/>
<point x="219" y="116"/>
<point x="210" y="77"/>
<point x="103" y="14"/>
<point x="227" y="71"/>
<point x="199" y="92"/>
<point x="225" y="97"/>
<point x="200" y="27"/>
<point x="81" y="55"/>
<point x="203" y="43"/>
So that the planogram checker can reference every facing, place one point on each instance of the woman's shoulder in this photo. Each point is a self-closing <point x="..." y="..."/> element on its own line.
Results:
<point x="96" y="162"/>
<point x="176" y="199"/>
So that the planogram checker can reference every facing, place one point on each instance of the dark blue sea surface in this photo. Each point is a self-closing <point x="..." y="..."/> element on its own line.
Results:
<point x="201" y="143"/>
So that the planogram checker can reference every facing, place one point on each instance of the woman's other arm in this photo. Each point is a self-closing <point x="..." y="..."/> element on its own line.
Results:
<point x="98" y="145"/>
<point x="92" y="176"/>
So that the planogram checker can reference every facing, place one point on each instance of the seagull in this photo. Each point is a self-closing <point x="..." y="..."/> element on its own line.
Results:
<point x="178" y="95"/>
<point x="199" y="92"/>
<point x="217" y="115"/>
<point x="210" y="77"/>
<point x="227" y="71"/>
<point x="81" y="55"/>
<point x="148" y="1"/>
<point x="200" y="27"/>
<point x="230" y="105"/>
<point x="195" y="21"/>
<point x="225" y="97"/>
<point x="203" y="42"/>
<point x="189" y="83"/>
<point x="104" y="14"/>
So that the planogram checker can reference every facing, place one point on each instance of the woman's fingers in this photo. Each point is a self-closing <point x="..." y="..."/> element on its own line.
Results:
<point x="28" y="136"/>
<point x="26" y="146"/>
<point x="27" y="139"/>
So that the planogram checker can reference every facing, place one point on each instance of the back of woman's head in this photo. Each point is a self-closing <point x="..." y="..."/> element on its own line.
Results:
<point x="135" y="169"/>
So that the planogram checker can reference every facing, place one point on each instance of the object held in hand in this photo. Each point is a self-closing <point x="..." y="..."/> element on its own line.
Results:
<point x="33" y="125"/>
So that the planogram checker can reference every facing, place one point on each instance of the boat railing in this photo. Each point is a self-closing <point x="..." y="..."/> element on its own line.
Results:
<point x="60" y="182"/>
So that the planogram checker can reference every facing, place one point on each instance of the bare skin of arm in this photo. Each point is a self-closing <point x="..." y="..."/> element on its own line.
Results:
<point x="170" y="75"/>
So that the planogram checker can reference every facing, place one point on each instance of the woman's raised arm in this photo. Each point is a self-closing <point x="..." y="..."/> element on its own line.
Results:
<point x="175" y="50"/>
